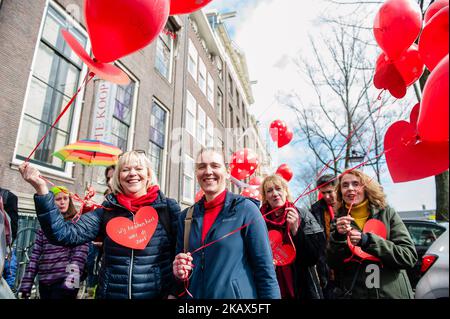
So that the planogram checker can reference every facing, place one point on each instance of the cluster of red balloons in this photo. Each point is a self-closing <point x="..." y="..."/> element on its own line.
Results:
<point x="397" y="25"/>
<point x="243" y="163"/>
<point x="419" y="148"/>
<point x="117" y="28"/>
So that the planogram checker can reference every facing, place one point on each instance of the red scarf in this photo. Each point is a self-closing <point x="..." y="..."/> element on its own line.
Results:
<point x="285" y="274"/>
<point x="133" y="204"/>
<point x="212" y="210"/>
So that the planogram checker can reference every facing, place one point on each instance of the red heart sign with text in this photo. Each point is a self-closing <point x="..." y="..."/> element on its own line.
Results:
<point x="283" y="254"/>
<point x="134" y="234"/>
<point x="409" y="159"/>
<point x="373" y="226"/>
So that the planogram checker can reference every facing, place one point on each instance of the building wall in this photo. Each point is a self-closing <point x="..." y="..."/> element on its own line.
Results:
<point x="20" y="23"/>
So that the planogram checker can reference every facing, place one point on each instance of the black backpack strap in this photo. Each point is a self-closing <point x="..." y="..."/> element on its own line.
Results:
<point x="187" y="227"/>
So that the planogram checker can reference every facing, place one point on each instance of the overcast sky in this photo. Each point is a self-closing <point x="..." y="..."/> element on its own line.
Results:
<point x="270" y="33"/>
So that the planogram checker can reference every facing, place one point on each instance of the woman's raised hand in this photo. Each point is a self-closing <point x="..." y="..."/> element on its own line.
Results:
<point x="33" y="177"/>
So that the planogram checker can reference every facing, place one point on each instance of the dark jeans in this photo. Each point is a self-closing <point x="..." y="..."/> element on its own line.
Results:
<point x="56" y="291"/>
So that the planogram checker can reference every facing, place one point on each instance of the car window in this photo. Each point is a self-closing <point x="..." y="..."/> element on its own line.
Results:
<point x="424" y="234"/>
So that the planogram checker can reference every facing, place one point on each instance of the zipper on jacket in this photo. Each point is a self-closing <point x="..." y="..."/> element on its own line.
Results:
<point x="130" y="274"/>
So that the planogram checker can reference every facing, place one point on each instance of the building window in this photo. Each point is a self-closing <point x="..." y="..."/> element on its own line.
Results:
<point x="210" y="92"/>
<point x="191" y="107"/>
<point x="219" y="64"/>
<point x="54" y="80"/>
<point x="192" y="61"/>
<point x="164" y="55"/>
<point x="230" y="110"/>
<point x="202" y="76"/>
<point x="230" y="85"/>
<point x="220" y="105"/>
<point x="201" y="126"/>
<point x="157" y="143"/>
<point x="188" y="179"/>
<point x="209" y="133"/>
<point x="122" y="115"/>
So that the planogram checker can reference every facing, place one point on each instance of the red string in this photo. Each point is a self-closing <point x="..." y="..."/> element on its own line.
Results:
<point x="86" y="80"/>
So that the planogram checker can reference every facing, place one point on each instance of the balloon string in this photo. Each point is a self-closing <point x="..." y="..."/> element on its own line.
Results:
<point x="86" y="80"/>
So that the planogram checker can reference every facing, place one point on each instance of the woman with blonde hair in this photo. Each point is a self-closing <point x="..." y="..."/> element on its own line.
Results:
<point x="137" y="224"/>
<point x="383" y="275"/>
<point x="300" y="230"/>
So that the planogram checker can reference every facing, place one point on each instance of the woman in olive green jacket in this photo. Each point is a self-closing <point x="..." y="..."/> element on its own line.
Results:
<point x="362" y="199"/>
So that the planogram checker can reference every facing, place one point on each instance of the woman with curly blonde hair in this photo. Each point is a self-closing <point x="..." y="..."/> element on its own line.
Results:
<point x="362" y="199"/>
<point x="298" y="228"/>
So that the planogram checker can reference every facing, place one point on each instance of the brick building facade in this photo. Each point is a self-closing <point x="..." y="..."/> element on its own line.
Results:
<point x="188" y="87"/>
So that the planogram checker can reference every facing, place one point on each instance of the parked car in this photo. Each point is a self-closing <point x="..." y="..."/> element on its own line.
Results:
<point x="434" y="281"/>
<point x="423" y="233"/>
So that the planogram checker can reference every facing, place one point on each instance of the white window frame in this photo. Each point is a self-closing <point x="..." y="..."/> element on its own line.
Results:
<point x="170" y="71"/>
<point x="67" y="173"/>
<point x="209" y="132"/>
<point x="187" y="160"/>
<point x="192" y="60"/>
<point x="191" y="109"/>
<point x="201" y="125"/>
<point x="210" y="90"/>
<point x="162" y="183"/>
<point x="202" y="76"/>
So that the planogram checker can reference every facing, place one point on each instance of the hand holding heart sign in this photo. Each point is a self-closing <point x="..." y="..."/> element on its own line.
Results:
<point x="283" y="254"/>
<point x="375" y="227"/>
<point x="134" y="234"/>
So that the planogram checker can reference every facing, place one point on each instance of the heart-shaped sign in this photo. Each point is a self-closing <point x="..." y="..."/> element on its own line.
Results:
<point x="134" y="234"/>
<point x="408" y="159"/>
<point x="119" y="27"/>
<point x="104" y="71"/>
<point x="283" y="254"/>
<point x="373" y="226"/>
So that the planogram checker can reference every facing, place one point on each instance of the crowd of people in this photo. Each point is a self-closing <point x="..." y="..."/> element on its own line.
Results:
<point x="222" y="247"/>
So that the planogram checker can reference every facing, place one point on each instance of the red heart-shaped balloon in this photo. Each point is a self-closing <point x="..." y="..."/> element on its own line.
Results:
<point x="414" y="116"/>
<point x="277" y="127"/>
<point x="373" y="226"/>
<point x="434" y="8"/>
<point x="119" y="27"/>
<point x="243" y="163"/>
<point x="285" y="138"/>
<point x="283" y="254"/>
<point x="251" y="193"/>
<point x="186" y="6"/>
<point x="433" y="42"/>
<point x="105" y="71"/>
<point x="397" y="75"/>
<point x="134" y="234"/>
<point x="432" y="124"/>
<point x="408" y="159"/>
<point x="285" y="171"/>
<point x="255" y="181"/>
<point x="397" y="24"/>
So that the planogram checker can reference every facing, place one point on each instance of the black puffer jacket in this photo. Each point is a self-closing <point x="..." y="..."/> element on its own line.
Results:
<point x="125" y="272"/>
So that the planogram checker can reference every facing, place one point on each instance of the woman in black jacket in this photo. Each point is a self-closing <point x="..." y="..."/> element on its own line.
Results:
<point x="137" y="224"/>
<point x="298" y="228"/>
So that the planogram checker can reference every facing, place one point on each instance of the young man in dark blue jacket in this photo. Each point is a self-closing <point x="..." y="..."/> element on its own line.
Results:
<point x="238" y="266"/>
